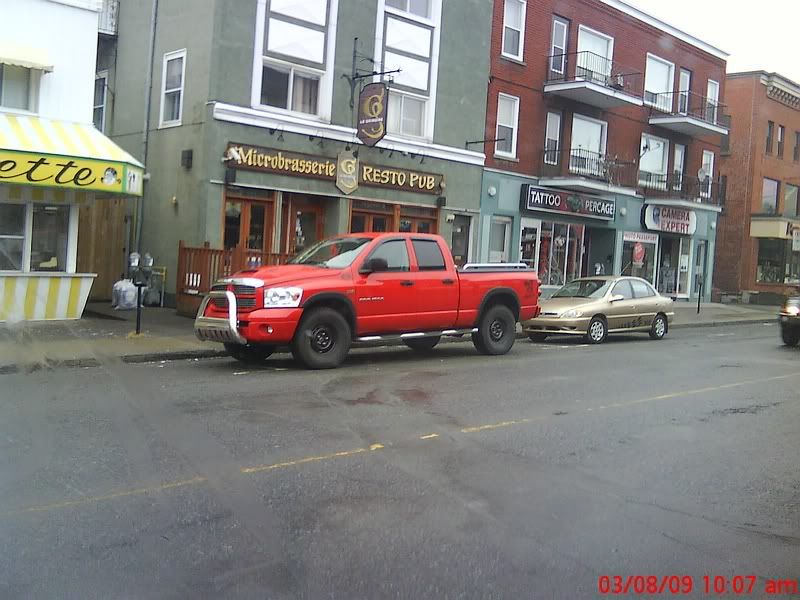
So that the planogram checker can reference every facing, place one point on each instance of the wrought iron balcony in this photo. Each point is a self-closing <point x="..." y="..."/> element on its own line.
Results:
<point x="107" y="22"/>
<point x="687" y="113"/>
<point x="588" y="171"/>
<point x="678" y="186"/>
<point x="593" y="79"/>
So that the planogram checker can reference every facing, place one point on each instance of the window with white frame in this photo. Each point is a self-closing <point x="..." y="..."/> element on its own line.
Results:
<point x="506" y="131"/>
<point x="712" y="101"/>
<point x="100" y="98"/>
<point x="35" y="237"/>
<point x="406" y="114"/>
<point x="658" y="83"/>
<point x="513" y="28"/>
<point x="419" y="8"/>
<point x="684" y="91"/>
<point x="653" y="162"/>
<point x="588" y="146"/>
<point x="558" y="46"/>
<point x="294" y="55"/>
<point x="16" y="87"/>
<point x="408" y="46"/>
<point x="678" y="166"/>
<point x="172" y="80"/>
<point x="706" y="184"/>
<point x="595" y="55"/>
<point x="552" y="138"/>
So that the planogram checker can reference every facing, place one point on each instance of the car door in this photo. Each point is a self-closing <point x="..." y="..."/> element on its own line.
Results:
<point x="383" y="299"/>
<point x="435" y="287"/>
<point x="646" y="302"/>
<point x="622" y="311"/>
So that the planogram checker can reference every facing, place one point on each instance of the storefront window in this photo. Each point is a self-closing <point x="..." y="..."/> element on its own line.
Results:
<point x="560" y="253"/>
<point x="639" y="255"/>
<point x="50" y="237"/>
<point x="12" y="236"/>
<point x="776" y="262"/>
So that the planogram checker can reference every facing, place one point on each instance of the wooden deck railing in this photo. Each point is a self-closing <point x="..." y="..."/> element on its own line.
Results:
<point x="199" y="268"/>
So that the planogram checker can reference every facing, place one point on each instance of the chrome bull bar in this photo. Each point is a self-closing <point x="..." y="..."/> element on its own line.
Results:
<point x="213" y="329"/>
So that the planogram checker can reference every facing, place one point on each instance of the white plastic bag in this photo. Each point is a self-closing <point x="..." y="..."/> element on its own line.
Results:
<point x="123" y="295"/>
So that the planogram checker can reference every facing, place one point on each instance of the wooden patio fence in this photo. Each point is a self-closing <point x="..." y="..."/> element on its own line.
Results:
<point x="199" y="268"/>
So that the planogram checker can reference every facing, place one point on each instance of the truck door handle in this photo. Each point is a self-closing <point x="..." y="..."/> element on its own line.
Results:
<point x="406" y="283"/>
<point x="448" y="281"/>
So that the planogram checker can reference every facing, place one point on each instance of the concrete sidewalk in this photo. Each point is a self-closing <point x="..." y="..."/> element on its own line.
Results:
<point x="104" y="334"/>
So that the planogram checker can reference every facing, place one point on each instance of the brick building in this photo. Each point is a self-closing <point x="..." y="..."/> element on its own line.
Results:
<point x="604" y="127"/>
<point x="755" y="252"/>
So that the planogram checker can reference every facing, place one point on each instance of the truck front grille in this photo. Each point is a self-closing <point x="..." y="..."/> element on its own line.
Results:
<point x="245" y="296"/>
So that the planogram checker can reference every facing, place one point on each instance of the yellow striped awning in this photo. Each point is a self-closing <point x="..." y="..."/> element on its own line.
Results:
<point x="61" y="154"/>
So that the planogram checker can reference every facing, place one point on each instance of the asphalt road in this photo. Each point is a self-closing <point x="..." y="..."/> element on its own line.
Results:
<point x="398" y="476"/>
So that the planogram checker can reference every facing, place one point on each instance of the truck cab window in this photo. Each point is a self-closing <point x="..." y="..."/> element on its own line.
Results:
<point x="395" y="254"/>
<point x="429" y="255"/>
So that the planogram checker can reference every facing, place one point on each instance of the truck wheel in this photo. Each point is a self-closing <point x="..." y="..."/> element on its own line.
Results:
<point x="423" y="344"/>
<point x="790" y="336"/>
<point x="322" y="339"/>
<point x="497" y="330"/>
<point x="249" y="354"/>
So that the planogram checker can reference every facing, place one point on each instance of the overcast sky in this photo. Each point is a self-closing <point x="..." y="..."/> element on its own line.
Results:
<point x="760" y="35"/>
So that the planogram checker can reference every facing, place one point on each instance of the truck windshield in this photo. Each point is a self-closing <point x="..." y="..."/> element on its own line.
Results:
<point x="583" y="288"/>
<point x="336" y="253"/>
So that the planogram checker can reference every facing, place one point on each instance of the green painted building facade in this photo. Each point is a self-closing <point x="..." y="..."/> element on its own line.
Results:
<point x="273" y="76"/>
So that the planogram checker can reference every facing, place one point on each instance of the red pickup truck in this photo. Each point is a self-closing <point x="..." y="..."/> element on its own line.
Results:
<point x="367" y="287"/>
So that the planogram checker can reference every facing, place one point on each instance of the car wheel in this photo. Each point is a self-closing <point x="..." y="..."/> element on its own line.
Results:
<point x="497" y="330"/>
<point x="659" y="328"/>
<point x="249" y="354"/>
<point x="322" y="339"/>
<point x="537" y="337"/>
<point x="790" y="336"/>
<point x="422" y="344"/>
<point x="597" y="331"/>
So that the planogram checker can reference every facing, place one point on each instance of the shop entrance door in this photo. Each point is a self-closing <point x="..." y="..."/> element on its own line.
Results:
<point x="529" y="241"/>
<point x="674" y="261"/>
<point x="304" y="223"/>
<point x="248" y="223"/>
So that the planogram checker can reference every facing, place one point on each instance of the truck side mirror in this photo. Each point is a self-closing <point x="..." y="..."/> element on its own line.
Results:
<point x="374" y="265"/>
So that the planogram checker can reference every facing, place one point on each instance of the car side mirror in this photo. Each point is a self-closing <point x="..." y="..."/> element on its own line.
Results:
<point x="616" y="298"/>
<point x="374" y="265"/>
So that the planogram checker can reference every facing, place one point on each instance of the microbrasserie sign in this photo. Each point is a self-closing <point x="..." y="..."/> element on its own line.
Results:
<point x="338" y="171"/>
<point x="537" y="198"/>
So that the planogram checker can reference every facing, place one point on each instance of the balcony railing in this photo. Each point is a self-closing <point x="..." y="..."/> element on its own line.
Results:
<point x="682" y="187"/>
<point x="563" y="162"/>
<point x="591" y="67"/>
<point x="107" y="22"/>
<point x="686" y="104"/>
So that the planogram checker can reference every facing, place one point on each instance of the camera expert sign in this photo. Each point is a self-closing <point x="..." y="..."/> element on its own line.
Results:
<point x="535" y="198"/>
<point x="670" y="219"/>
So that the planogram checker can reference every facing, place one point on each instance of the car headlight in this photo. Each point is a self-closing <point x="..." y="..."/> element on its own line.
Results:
<point x="282" y="297"/>
<point x="571" y="314"/>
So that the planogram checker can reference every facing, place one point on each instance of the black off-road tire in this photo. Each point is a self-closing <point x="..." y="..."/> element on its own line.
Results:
<point x="790" y="336"/>
<point x="497" y="330"/>
<point x="251" y="355"/>
<point x="322" y="339"/>
<point x="659" y="328"/>
<point x="422" y="344"/>
<point x="597" y="332"/>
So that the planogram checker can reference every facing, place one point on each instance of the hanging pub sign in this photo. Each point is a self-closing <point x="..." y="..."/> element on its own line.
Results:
<point x="669" y="219"/>
<point x="372" y="105"/>
<point x="337" y="171"/>
<point x="533" y="198"/>
<point x="347" y="172"/>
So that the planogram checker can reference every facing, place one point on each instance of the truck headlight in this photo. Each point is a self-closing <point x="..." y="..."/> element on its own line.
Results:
<point x="282" y="297"/>
<point x="571" y="314"/>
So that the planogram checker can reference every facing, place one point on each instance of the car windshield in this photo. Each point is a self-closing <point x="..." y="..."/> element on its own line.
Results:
<point x="336" y="253"/>
<point x="583" y="288"/>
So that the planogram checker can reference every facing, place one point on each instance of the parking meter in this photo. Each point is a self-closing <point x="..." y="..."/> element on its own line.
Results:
<point x="141" y="272"/>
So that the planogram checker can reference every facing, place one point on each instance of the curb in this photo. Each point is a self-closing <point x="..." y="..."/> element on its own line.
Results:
<point x="210" y="353"/>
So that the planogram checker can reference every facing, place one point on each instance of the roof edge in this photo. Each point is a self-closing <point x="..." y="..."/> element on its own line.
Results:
<point x="667" y="28"/>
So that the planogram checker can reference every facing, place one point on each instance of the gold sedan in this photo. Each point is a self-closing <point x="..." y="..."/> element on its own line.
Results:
<point x="596" y="306"/>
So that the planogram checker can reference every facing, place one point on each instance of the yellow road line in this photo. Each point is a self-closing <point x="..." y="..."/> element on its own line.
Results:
<point x="496" y="425"/>
<point x="309" y="459"/>
<point x="94" y="499"/>
<point x="430" y="436"/>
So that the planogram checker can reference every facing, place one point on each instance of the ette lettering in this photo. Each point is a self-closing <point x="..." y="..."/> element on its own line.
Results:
<point x="41" y="170"/>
